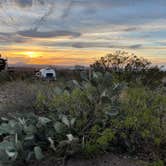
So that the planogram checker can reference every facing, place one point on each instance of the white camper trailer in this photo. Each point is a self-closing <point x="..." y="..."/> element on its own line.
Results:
<point x="47" y="73"/>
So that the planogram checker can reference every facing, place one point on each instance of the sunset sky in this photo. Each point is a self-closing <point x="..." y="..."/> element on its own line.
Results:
<point x="70" y="32"/>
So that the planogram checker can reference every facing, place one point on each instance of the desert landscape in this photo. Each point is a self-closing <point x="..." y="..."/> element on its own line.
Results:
<point x="82" y="83"/>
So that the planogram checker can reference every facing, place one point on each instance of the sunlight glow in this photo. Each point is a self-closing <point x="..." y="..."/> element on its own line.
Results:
<point x="31" y="54"/>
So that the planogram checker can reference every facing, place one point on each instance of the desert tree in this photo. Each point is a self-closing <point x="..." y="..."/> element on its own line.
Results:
<point x="120" y="61"/>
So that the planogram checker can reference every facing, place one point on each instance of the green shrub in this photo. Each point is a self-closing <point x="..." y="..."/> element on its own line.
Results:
<point x="157" y="163"/>
<point x="24" y="139"/>
<point x="142" y="119"/>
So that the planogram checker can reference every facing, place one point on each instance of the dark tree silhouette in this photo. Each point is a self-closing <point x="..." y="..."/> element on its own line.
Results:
<point x="120" y="61"/>
<point x="3" y="63"/>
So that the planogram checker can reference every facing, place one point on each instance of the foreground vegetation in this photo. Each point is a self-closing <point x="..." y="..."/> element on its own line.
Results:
<point x="87" y="117"/>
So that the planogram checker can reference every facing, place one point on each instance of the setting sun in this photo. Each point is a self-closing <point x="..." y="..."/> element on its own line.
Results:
<point x="31" y="54"/>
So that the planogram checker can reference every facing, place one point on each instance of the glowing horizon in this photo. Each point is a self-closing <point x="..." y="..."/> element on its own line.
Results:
<point x="65" y="57"/>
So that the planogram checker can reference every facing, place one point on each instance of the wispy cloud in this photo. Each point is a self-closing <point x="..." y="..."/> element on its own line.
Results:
<point x="47" y="34"/>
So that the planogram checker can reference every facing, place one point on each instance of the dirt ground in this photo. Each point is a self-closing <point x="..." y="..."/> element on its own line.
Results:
<point x="106" y="160"/>
<point x="12" y="90"/>
<point x="15" y="96"/>
<point x="5" y="96"/>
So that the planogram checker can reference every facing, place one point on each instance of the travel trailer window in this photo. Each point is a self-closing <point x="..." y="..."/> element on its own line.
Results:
<point x="49" y="75"/>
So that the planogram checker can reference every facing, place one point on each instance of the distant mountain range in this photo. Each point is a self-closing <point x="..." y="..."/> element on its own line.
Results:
<point x="36" y="66"/>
